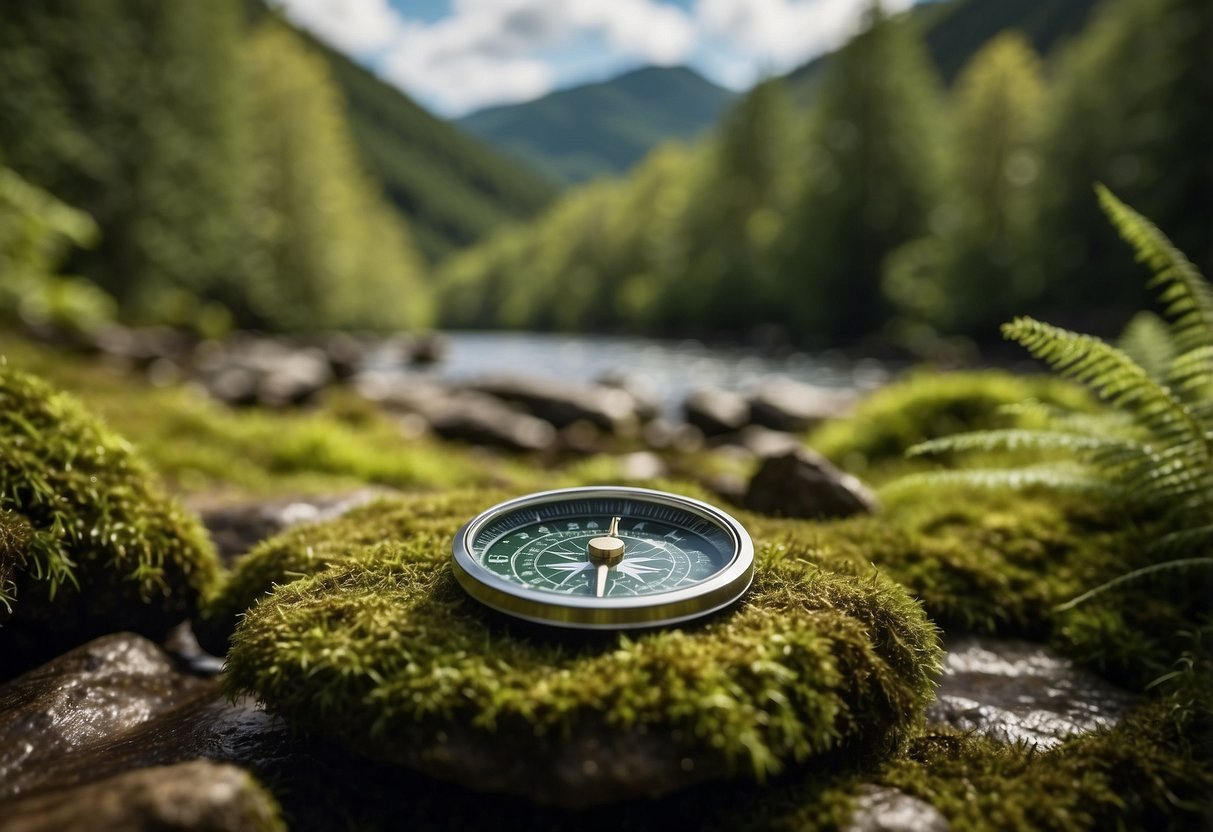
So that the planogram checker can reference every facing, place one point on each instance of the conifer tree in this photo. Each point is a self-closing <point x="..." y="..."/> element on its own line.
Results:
<point x="328" y="251"/>
<point x="1131" y="109"/>
<point x="968" y="276"/>
<point x="872" y="178"/>
<point x="131" y="111"/>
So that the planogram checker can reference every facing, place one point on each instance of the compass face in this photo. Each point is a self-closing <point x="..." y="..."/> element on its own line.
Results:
<point x="604" y="558"/>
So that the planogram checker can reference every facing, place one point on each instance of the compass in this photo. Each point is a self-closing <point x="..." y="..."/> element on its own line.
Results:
<point x="604" y="558"/>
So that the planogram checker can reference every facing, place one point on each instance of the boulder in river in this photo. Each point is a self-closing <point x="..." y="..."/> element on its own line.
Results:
<point x="563" y="403"/>
<point x="793" y="406"/>
<point x="716" y="412"/>
<point x="803" y="483"/>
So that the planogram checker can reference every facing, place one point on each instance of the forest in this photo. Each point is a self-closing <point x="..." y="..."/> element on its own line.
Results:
<point x="251" y="178"/>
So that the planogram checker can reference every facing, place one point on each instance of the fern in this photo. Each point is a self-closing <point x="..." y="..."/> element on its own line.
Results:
<point x="1154" y="451"/>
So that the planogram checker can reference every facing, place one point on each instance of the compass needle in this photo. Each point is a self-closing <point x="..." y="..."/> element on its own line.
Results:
<point x="678" y="558"/>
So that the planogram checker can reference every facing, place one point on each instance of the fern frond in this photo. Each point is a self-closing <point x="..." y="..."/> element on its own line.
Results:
<point x="1186" y="297"/>
<point x="1111" y="375"/>
<point x="1137" y="575"/>
<point x="1192" y="372"/>
<point x="1108" y="422"/>
<point x="1184" y="540"/>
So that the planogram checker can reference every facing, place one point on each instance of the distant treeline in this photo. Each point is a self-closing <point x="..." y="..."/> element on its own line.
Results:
<point x="892" y="209"/>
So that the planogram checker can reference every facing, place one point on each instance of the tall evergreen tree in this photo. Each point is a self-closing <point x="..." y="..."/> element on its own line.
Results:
<point x="131" y="110"/>
<point x="1131" y="109"/>
<point x="872" y="180"/>
<point x="967" y="277"/>
<point x="736" y="212"/>
<point x="328" y="250"/>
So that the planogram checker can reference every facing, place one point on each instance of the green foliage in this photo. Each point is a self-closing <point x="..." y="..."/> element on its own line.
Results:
<point x="452" y="189"/>
<point x="362" y="652"/>
<point x="36" y="232"/>
<point x="1129" y="108"/>
<point x="91" y="544"/>
<point x="985" y="216"/>
<point x="927" y="405"/>
<point x="577" y="134"/>
<point x="1152" y="771"/>
<point x="328" y="251"/>
<point x="131" y="110"/>
<point x="1158" y="458"/>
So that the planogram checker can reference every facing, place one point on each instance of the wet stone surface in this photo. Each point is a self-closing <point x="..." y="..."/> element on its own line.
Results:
<point x="885" y="809"/>
<point x="1016" y="691"/>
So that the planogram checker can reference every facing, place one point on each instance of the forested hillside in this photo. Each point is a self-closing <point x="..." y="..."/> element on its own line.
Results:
<point x="576" y="134"/>
<point x="452" y="187"/>
<point x="894" y="209"/>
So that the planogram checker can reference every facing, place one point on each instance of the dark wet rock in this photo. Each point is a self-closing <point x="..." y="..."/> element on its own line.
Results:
<point x="236" y="528"/>
<point x="97" y="691"/>
<point x="428" y="348"/>
<point x="563" y="403"/>
<point x="1017" y="691"/>
<point x="885" y="809"/>
<point x="803" y="483"/>
<point x="346" y="353"/>
<point x="794" y="406"/>
<point x="716" y="412"/>
<point x="197" y="796"/>
<point x="484" y="420"/>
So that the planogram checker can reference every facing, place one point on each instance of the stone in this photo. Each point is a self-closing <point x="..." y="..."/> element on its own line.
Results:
<point x="803" y="483"/>
<point x="716" y="412"/>
<point x="641" y="465"/>
<point x="644" y="400"/>
<point x="485" y="420"/>
<point x="561" y="402"/>
<point x="793" y="406"/>
<point x="885" y="809"/>
<point x="237" y="527"/>
<point x="85" y="697"/>
<point x="248" y="369"/>
<point x="197" y="796"/>
<point x="1015" y="691"/>
<point x="764" y="442"/>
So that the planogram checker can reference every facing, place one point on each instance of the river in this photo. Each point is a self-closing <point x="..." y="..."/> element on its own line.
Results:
<point x="667" y="370"/>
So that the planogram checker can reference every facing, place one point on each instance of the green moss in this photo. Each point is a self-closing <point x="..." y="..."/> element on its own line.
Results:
<point x="384" y="640"/>
<point x="1152" y="771"/>
<point x="90" y="543"/>
<point x="928" y="405"/>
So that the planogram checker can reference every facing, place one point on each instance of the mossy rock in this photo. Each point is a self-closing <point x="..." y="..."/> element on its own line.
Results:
<point x="89" y="541"/>
<point x="928" y="405"/>
<point x="380" y="650"/>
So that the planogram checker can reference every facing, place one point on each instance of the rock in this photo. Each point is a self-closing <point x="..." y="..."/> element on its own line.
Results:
<point x="141" y="347"/>
<point x="641" y="465"/>
<point x="563" y="403"/>
<point x="198" y="796"/>
<point x="484" y="420"/>
<point x="644" y="400"/>
<point x="716" y="412"/>
<point x="787" y="405"/>
<point x="428" y="348"/>
<point x="236" y="528"/>
<point x="293" y="378"/>
<point x="885" y="809"/>
<point x="803" y="483"/>
<point x="661" y="434"/>
<point x="345" y="354"/>
<point x="405" y="394"/>
<point x="1017" y="691"/>
<point x="764" y="442"/>
<point x="83" y="698"/>
<point x="252" y="370"/>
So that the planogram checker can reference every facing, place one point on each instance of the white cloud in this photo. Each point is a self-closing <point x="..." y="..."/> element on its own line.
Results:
<point x="777" y="35"/>
<point x="355" y="27"/>
<point x="487" y="52"/>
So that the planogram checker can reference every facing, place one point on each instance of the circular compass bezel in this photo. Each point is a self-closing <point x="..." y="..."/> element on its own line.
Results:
<point x="655" y="609"/>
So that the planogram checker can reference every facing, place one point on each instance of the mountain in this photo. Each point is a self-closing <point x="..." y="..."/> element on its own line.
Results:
<point x="452" y="187"/>
<point x="576" y="134"/>
<point x="955" y="29"/>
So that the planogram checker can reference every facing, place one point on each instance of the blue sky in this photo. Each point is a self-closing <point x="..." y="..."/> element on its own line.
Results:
<point x="456" y="56"/>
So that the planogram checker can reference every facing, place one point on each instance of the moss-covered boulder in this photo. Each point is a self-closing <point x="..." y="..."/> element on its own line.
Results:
<point x="89" y="541"/>
<point x="380" y="650"/>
